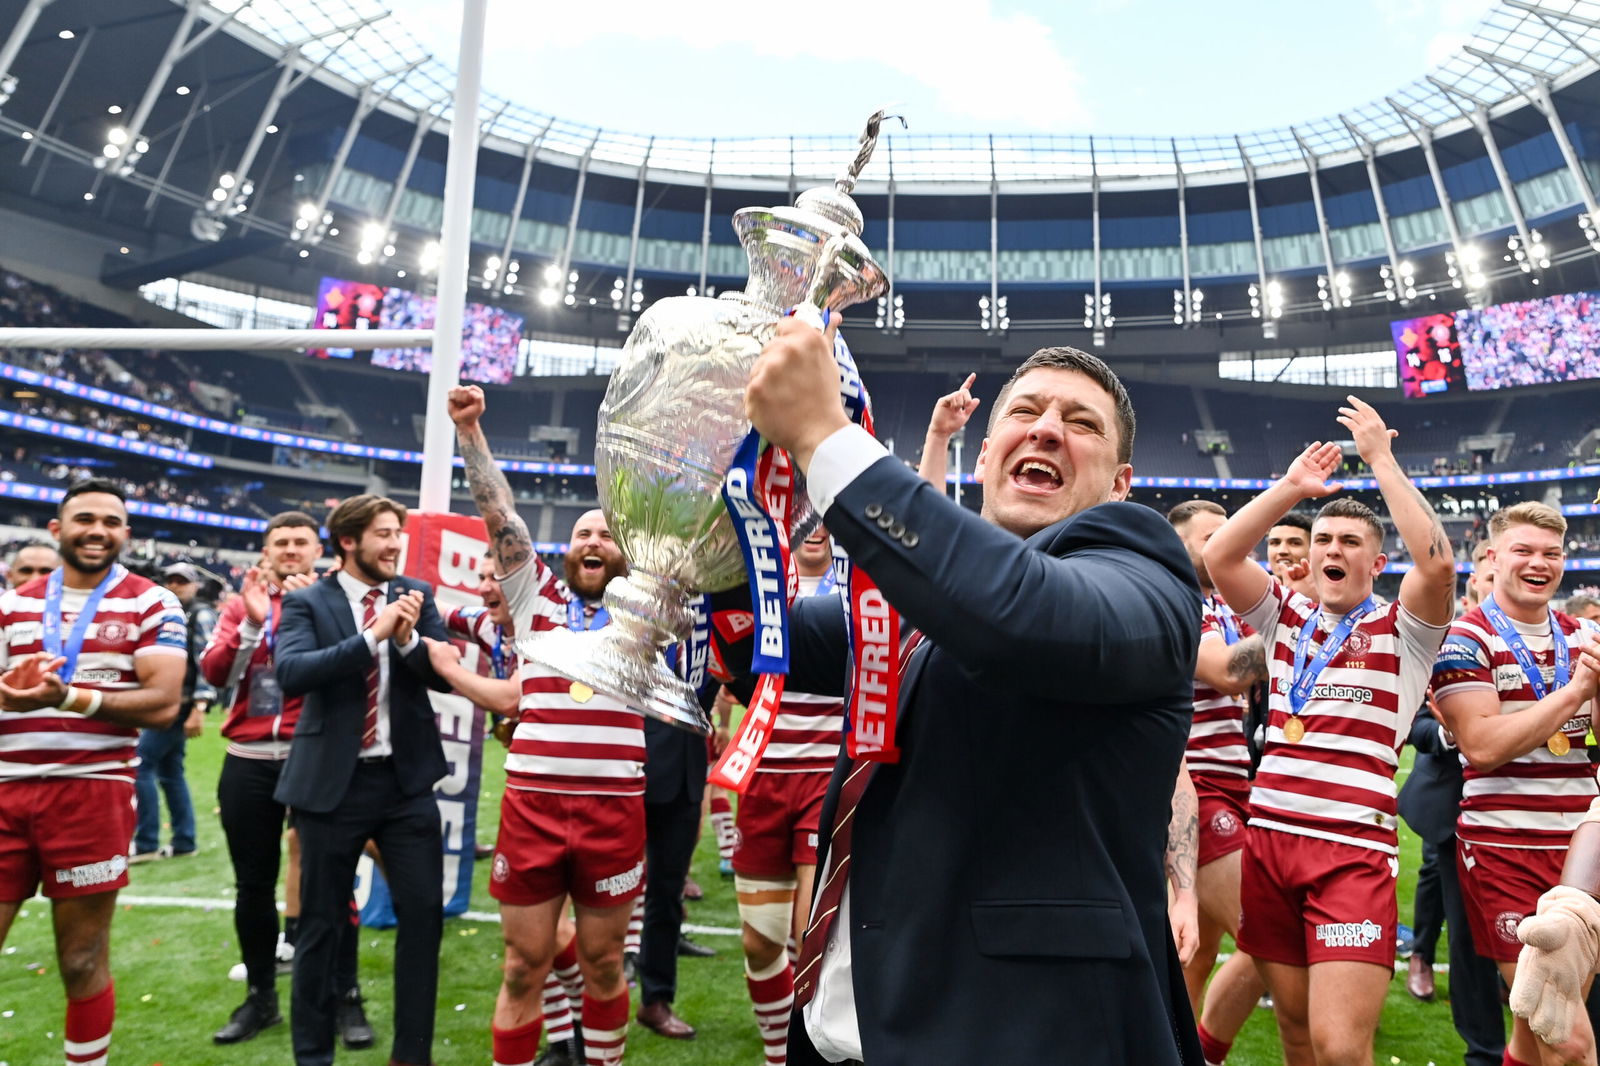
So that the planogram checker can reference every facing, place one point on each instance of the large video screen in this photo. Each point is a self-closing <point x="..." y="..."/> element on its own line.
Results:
<point x="1530" y="342"/>
<point x="489" y="335"/>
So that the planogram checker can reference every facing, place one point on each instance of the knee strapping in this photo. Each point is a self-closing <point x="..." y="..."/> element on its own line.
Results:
<point x="767" y="906"/>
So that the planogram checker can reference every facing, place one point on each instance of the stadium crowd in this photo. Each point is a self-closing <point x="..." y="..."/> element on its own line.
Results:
<point x="1240" y="779"/>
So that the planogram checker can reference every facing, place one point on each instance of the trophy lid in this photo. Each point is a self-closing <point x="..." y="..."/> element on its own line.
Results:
<point x="835" y="204"/>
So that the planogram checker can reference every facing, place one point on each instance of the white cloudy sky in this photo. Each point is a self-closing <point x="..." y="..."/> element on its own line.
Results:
<point x="747" y="67"/>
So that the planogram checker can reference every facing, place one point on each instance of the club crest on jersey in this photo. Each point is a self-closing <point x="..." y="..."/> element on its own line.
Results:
<point x="116" y="632"/>
<point x="1358" y="643"/>
<point x="1505" y="926"/>
<point x="1224" y="823"/>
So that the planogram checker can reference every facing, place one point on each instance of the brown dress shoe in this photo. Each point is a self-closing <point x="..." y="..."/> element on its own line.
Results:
<point x="659" y="1019"/>
<point x="1419" y="979"/>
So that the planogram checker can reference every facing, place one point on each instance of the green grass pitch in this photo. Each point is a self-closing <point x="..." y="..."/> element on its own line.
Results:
<point x="171" y="963"/>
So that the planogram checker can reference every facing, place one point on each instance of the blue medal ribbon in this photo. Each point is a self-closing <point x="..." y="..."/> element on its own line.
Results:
<point x="498" y="656"/>
<point x="579" y="619"/>
<point x="1225" y="618"/>
<point x="1306" y="673"/>
<point x="51" y="623"/>
<point x="1524" y="656"/>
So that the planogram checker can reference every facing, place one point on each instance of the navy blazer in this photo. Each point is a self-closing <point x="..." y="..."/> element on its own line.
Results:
<point x="321" y="656"/>
<point x="1430" y="800"/>
<point x="1007" y="886"/>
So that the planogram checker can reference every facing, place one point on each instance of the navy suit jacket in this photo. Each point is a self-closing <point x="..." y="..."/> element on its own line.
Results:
<point x="1007" y="886"/>
<point x="1430" y="800"/>
<point x="321" y="656"/>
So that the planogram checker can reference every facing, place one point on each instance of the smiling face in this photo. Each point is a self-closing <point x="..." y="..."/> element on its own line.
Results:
<point x="814" y="555"/>
<point x="1528" y="563"/>
<point x="291" y="550"/>
<point x="90" y="533"/>
<point x="593" y="558"/>
<point x="494" y="600"/>
<point x="1345" y="560"/>
<point x="1287" y="544"/>
<point x="375" y="557"/>
<point x="1051" y="452"/>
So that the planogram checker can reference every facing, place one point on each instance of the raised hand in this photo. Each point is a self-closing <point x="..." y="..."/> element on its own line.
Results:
<point x="466" y="404"/>
<point x="33" y="684"/>
<point x="257" y="596"/>
<point x="951" y="413"/>
<point x="793" y="395"/>
<point x="409" y="610"/>
<point x="1367" y="428"/>
<point x="442" y="654"/>
<point x="300" y="581"/>
<point x="1311" y="469"/>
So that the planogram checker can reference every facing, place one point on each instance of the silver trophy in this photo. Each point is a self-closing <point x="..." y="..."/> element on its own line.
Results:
<point x="672" y="419"/>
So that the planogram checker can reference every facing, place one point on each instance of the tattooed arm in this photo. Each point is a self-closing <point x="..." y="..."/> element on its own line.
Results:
<point x="1231" y="668"/>
<point x="1183" y="854"/>
<point x="509" y="540"/>
<point x="1428" y="590"/>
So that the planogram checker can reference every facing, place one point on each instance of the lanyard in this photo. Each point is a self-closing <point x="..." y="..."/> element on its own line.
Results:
<point x="578" y="618"/>
<point x="1519" y="648"/>
<point x="829" y="582"/>
<point x="1225" y="618"/>
<point x="51" y="622"/>
<point x="498" y="656"/>
<point x="1306" y="674"/>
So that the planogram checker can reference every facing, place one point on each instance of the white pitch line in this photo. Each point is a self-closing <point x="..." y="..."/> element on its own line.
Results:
<point x="192" y="903"/>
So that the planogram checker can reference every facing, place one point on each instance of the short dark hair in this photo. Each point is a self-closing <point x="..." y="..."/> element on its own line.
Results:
<point x="354" y="515"/>
<point x="1092" y="367"/>
<point x="94" y="484"/>
<point x="295" y="519"/>
<point x="1180" y="515"/>
<point x="1349" y="507"/>
<point x="1297" y="520"/>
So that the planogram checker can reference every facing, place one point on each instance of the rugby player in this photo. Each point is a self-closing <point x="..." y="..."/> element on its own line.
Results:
<point x="1512" y="688"/>
<point x="1318" y="876"/>
<point x="91" y="653"/>
<point x="572" y="817"/>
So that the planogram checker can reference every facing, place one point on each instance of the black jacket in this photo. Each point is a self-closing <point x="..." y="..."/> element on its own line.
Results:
<point x="322" y="657"/>
<point x="1008" y="901"/>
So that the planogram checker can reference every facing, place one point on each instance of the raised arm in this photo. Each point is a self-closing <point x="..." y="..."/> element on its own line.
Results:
<point x="1428" y="590"/>
<point x="949" y="417"/>
<point x="508" y="534"/>
<point x="1239" y="578"/>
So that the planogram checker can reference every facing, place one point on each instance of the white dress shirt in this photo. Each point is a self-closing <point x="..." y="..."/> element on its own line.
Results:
<point x="355" y="590"/>
<point x="830" y="1016"/>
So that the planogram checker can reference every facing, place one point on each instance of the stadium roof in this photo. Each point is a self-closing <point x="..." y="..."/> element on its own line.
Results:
<point x="1514" y="50"/>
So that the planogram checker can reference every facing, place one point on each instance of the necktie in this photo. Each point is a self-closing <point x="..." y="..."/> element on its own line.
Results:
<point x="831" y="894"/>
<point x="369" y="615"/>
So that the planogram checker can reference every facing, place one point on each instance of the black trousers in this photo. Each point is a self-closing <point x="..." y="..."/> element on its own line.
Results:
<point x="253" y="823"/>
<point x="1427" y="910"/>
<point x="670" y="831"/>
<point x="406" y="830"/>
<point x="1474" y="980"/>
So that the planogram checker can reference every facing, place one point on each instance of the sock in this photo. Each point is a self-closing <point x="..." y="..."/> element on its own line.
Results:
<point x="605" y="1030"/>
<point x="630" y="943"/>
<point x="772" y="993"/>
<point x="557" y="1011"/>
<point x="1214" y="1050"/>
<point x="516" y="1047"/>
<point x="565" y="970"/>
<point x="291" y="928"/>
<point x="88" y="1031"/>
<point x="722" y="825"/>
<point x="1508" y="1060"/>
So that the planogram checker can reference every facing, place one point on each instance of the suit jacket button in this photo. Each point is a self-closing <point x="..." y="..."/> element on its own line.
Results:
<point x="872" y="510"/>
<point x="897" y="530"/>
<point x="911" y="539"/>
<point x="885" y="520"/>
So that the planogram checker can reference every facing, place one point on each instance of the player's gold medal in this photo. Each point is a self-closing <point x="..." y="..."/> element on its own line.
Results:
<point x="1558" y="744"/>
<point x="580" y="692"/>
<point x="1294" y="730"/>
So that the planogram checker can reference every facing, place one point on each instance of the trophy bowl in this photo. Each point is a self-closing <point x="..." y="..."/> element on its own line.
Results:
<point x="672" y="418"/>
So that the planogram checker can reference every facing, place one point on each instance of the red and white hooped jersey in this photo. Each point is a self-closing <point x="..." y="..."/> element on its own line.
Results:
<point x="472" y="624"/>
<point x="1337" y="782"/>
<point x="1535" y="800"/>
<point x="1216" y="738"/>
<point x="808" y="729"/>
<point x="561" y="745"/>
<point x="136" y="618"/>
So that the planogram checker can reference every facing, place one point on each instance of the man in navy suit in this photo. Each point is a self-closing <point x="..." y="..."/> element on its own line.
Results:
<point x="1050" y="695"/>
<point x="366" y="755"/>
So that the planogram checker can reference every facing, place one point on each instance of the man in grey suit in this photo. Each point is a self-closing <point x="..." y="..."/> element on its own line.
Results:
<point x="366" y="755"/>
